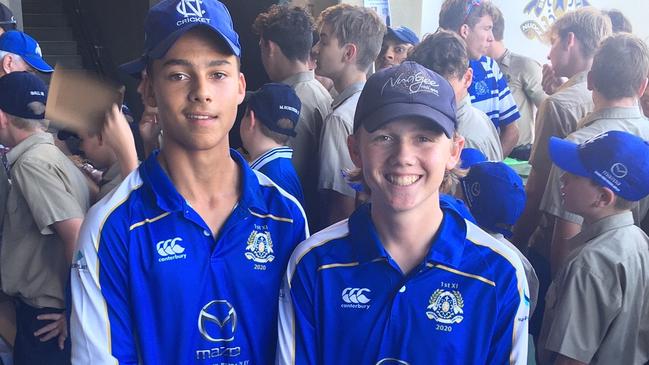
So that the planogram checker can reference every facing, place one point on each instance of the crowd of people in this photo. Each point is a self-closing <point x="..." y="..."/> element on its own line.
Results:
<point x="369" y="216"/>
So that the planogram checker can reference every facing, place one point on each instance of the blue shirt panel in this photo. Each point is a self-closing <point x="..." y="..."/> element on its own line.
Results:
<point x="279" y="168"/>
<point x="179" y="295"/>
<point x="353" y="305"/>
<point x="490" y="93"/>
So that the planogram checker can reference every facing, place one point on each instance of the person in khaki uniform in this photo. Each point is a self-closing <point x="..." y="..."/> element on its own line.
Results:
<point x="596" y="307"/>
<point x="445" y="53"/>
<point x="45" y="206"/>
<point x="616" y="88"/>
<point x="524" y="78"/>
<point x="286" y="37"/>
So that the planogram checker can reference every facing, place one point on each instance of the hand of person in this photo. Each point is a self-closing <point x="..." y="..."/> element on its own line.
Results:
<point x="58" y="327"/>
<point x="117" y="134"/>
<point x="149" y="129"/>
<point x="550" y="82"/>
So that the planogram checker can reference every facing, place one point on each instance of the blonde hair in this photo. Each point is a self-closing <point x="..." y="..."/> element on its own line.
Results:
<point x="589" y="25"/>
<point x="29" y="124"/>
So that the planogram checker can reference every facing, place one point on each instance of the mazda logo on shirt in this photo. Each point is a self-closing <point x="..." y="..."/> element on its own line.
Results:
<point x="217" y="321"/>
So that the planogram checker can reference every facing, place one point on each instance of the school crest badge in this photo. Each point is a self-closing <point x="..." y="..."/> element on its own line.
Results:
<point x="446" y="306"/>
<point x="259" y="247"/>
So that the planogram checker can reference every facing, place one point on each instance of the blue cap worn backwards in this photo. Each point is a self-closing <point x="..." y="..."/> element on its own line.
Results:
<point x="170" y="19"/>
<point x="495" y="195"/>
<point x="614" y="159"/>
<point x="23" y="95"/>
<point x="273" y="102"/>
<point x="26" y="47"/>
<point x="404" y="34"/>
<point x="408" y="90"/>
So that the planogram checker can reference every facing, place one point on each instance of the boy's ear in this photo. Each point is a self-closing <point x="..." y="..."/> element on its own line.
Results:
<point x="607" y="198"/>
<point x="464" y="31"/>
<point x="351" y="53"/>
<point x="353" y="144"/>
<point x="147" y="89"/>
<point x="253" y="121"/>
<point x="457" y="144"/>
<point x="643" y="87"/>
<point x="467" y="79"/>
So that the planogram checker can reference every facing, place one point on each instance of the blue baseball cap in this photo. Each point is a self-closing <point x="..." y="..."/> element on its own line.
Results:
<point x="471" y="156"/>
<point x="614" y="159"/>
<point x="495" y="195"/>
<point x="23" y="95"/>
<point x="23" y="45"/>
<point x="404" y="34"/>
<point x="408" y="90"/>
<point x="273" y="102"/>
<point x="170" y="19"/>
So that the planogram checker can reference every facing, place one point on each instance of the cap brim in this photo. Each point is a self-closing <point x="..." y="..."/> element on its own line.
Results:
<point x="161" y="49"/>
<point x="38" y="64"/>
<point x="389" y="112"/>
<point x="565" y="154"/>
<point x="135" y="67"/>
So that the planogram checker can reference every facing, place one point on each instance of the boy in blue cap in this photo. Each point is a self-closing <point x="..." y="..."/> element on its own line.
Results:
<point x="397" y="41"/>
<point x="270" y="120"/>
<point x="182" y="263"/>
<point x="405" y="280"/>
<point x="596" y="307"/>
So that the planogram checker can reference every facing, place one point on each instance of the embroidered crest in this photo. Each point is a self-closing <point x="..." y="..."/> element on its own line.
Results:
<point x="446" y="306"/>
<point x="259" y="247"/>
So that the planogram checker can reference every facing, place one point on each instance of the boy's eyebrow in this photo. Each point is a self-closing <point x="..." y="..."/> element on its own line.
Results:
<point x="183" y="62"/>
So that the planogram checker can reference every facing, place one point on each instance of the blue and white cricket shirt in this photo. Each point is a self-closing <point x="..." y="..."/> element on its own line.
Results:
<point x="276" y="164"/>
<point x="150" y="283"/>
<point x="345" y="301"/>
<point x="490" y="93"/>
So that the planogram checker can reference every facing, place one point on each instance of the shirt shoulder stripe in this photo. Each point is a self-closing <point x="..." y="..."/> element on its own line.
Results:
<point x="267" y="182"/>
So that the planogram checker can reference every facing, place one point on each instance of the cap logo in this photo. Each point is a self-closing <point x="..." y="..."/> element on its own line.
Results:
<point x="412" y="84"/>
<point x="475" y="189"/>
<point x="619" y="170"/>
<point x="38" y="50"/>
<point x="286" y="107"/>
<point x="189" y="8"/>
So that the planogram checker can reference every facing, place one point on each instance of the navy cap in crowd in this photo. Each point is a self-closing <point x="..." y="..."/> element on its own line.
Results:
<point x="408" y="90"/>
<point x="273" y="102"/>
<point x="7" y="19"/>
<point x="471" y="156"/>
<point x="614" y="159"/>
<point x="26" y="47"/>
<point x="170" y="19"/>
<point x="495" y="195"/>
<point x="404" y="34"/>
<point x="23" y="95"/>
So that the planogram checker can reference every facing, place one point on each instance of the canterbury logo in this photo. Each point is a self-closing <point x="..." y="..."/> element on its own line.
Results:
<point x="170" y="249"/>
<point x="355" y="295"/>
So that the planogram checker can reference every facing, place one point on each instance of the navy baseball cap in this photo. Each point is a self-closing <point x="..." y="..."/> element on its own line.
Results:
<point x="170" y="19"/>
<point x="26" y="47"/>
<point x="23" y="95"/>
<point x="273" y="102"/>
<point x="405" y="91"/>
<point x="404" y="34"/>
<point x="471" y="156"/>
<point x="614" y="159"/>
<point x="495" y="195"/>
<point x="7" y="19"/>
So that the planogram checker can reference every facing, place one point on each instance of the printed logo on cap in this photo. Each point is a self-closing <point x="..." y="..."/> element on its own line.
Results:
<point x="619" y="170"/>
<point x="290" y="108"/>
<point x="192" y="11"/>
<point x="475" y="189"/>
<point x="412" y="84"/>
<point x="38" y="50"/>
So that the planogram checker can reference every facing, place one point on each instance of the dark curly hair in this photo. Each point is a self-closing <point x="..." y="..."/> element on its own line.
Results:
<point x="290" y="27"/>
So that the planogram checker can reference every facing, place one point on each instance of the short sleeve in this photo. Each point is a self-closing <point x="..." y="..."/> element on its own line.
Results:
<point x="584" y="307"/>
<point x="334" y="156"/>
<point x="548" y="124"/>
<point x="45" y="193"/>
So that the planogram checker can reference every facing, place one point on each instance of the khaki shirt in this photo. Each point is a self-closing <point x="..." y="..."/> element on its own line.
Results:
<point x="611" y="119"/>
<point x="478" y="130"/>
<point x="46" y="188"/>
<point x="110" y="179"/>
<point x="334" y="155"/>
<point x="558" y="116"/>
<point x="524" y="76"/>
<point x="597" y="307"/>
<point x="316" y="105"/>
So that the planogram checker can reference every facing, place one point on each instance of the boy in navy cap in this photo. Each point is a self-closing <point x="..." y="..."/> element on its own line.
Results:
<point x="404" y="280"/>
<point x="7" y="19"/>
<point x="396" y="44"/>
<point x="45" y="207"/>
<point x="596" y="307"/>
<point x="182" y="263"/>
<point x="269" y="121"/>
<point x="20" y="52"/>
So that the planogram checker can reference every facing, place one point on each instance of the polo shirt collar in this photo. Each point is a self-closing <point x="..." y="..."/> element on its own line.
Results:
<point x="447" y="248"/>
<point x="347" y="93"/>
<point x="299" y="77"/>
<point x="613" y="113"/>
<point x="169" y="199"/>
<point x="602" y="226"/>
<point x="506" y="58"/>
<point x="463" y="107"/>
<point x="26" y="144"/>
